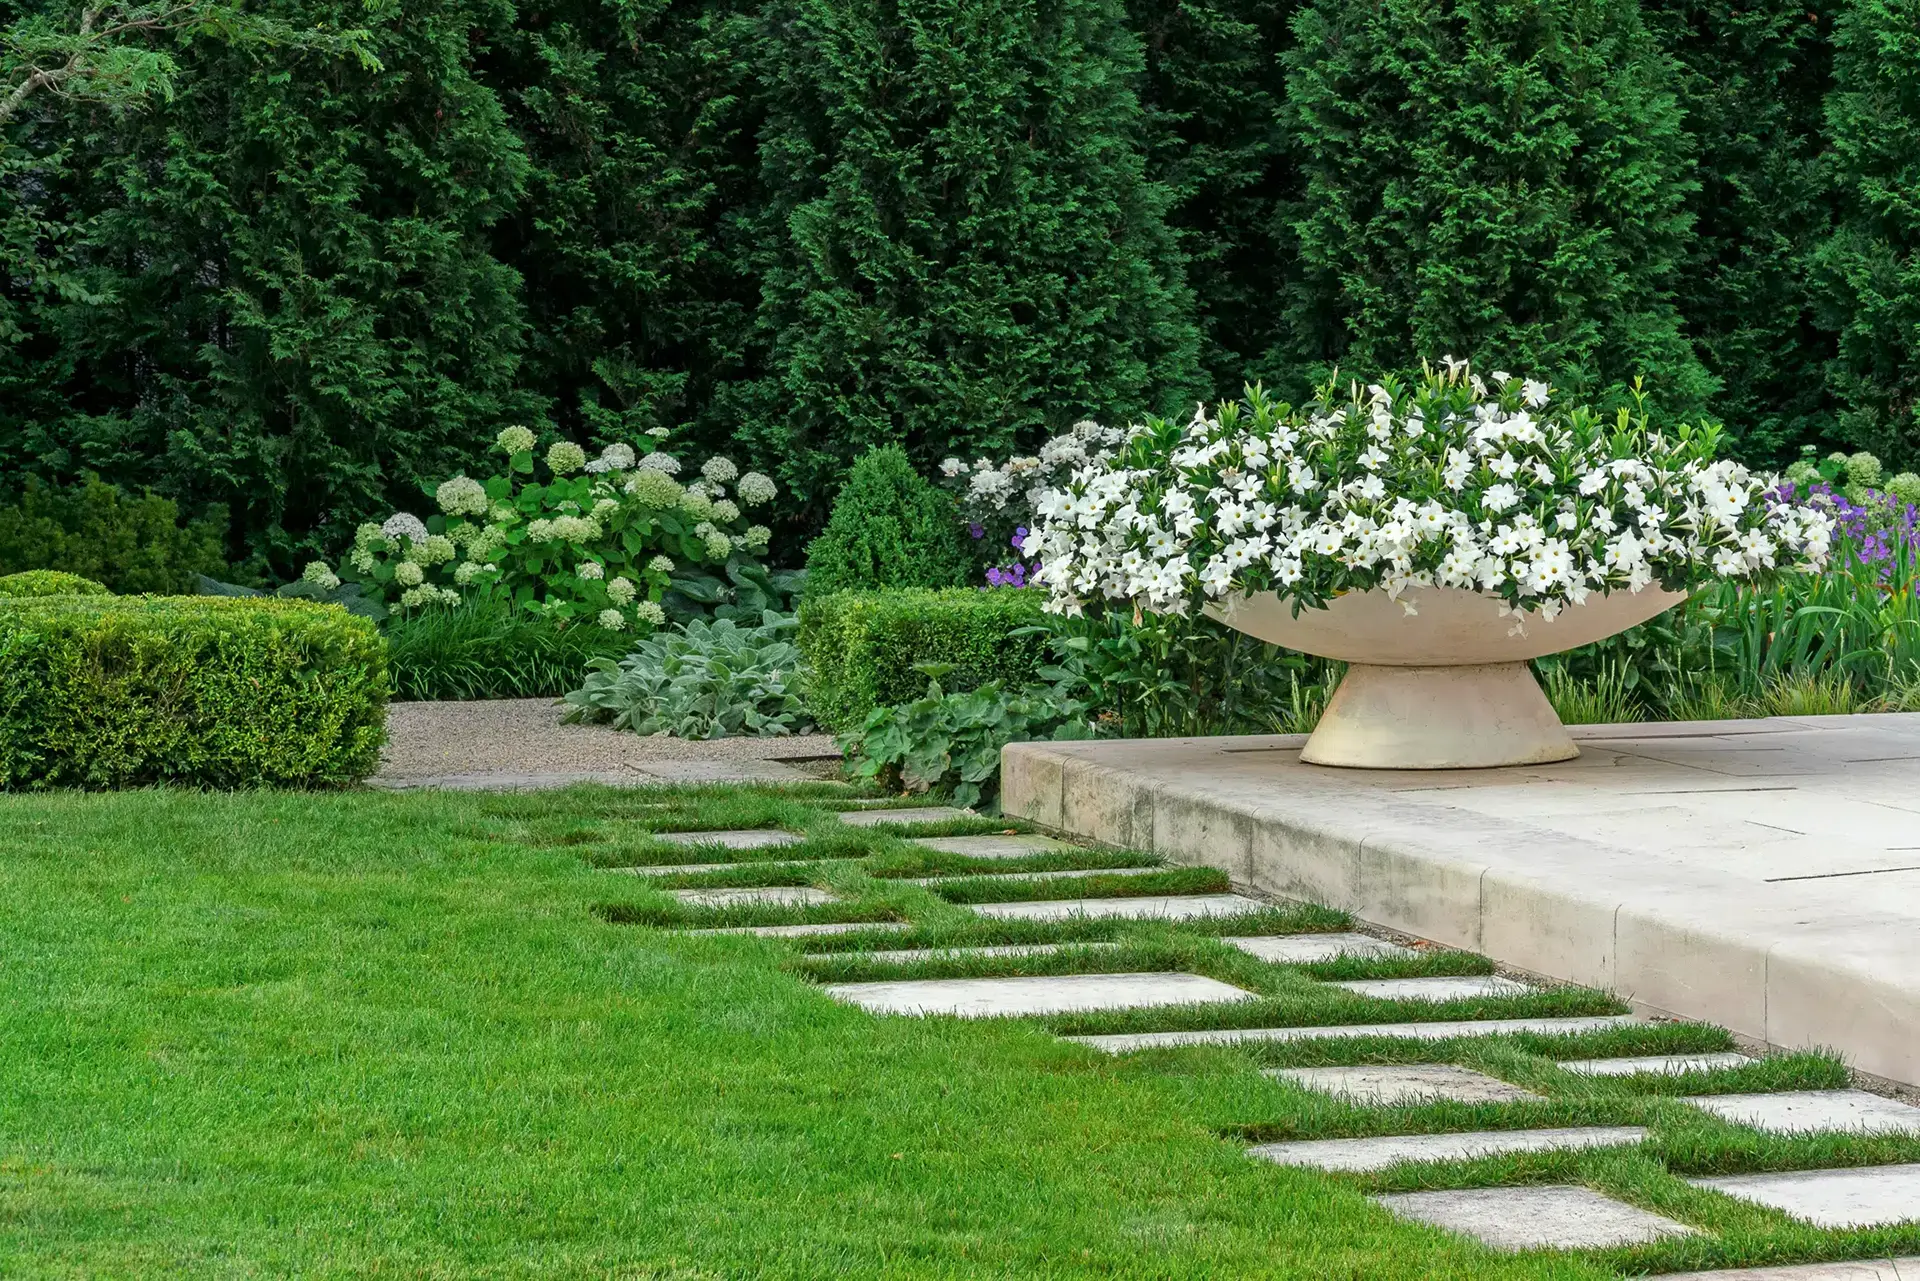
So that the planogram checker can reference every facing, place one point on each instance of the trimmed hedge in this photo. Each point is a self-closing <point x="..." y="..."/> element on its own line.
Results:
<point x="121" y="691"/>
<point x="50" y="582"/>
<point x="860" y="647"/>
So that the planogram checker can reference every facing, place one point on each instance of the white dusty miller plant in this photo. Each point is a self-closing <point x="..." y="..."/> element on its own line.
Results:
<point x="1441" y="480"/>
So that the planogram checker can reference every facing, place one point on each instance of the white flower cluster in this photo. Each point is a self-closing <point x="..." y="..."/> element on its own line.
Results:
<point x="990" y="487"/>
<point x="462" y="496"/>
<point x="1445" y="482"/>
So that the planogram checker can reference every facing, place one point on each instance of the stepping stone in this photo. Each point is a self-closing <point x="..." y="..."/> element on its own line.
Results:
<point x="759" y="895"/>
<point x="1361" y="1155"/>
<point x="903" y="817"/>
<point x="996" y="846"/>
<point x="1057" y="994"/>
<point x="1179" y="907"/>
<point x="1464" y="988"/>
<point x="907" y="956"/>
<point x="724" y="772"/>
<point x="687" y="869"/>
<point x="1301" y="949"/>
<point x="1907" y="1269"/>
<point x="1563" y="1218"/>
<point x="1077" y="874"/>
<point x="1654" y="1064"/>
<point x="742" y="838"/>
<point x="1418" y="1083"/>
<point x="1811" y="1111"/>
<point x="1439" y="1031"/>
<point x="1874" y="1196"/>
<point x="805" y="931"/>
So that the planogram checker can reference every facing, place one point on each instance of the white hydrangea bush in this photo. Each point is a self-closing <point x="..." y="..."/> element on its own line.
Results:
<point x="1443" y="480"/>
<point x="601" y="539"/>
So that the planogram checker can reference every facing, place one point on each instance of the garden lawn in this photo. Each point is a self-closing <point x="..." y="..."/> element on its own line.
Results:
<point x="283" y="1034"/>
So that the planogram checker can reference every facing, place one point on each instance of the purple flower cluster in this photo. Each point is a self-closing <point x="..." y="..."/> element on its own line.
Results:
<point x="1868" y="533"/>
<point x="1017" y="574"/>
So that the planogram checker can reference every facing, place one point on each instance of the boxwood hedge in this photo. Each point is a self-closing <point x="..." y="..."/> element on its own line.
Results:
<point x="860" y="647"/>
<point x="123" y="691"/>
<point x="50" y="582"/>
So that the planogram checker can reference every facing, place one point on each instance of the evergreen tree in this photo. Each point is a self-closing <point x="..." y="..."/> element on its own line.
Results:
<point x="1501" y="179"/>
<point x="1212" y="95"/>
<point x="889" y="528"/>
<point x="1752" y="84"/>
<point x="285" y="297"/>
<point x="1869" y="271"/>
<point x="962" y="250"/>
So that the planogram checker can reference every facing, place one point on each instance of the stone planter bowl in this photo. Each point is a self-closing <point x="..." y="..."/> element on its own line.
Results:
<point x="1447" y="687"/>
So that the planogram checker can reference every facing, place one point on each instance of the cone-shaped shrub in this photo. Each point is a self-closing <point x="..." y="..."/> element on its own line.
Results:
<point x="889" y="528"/>
<point x="1500" y="179"/>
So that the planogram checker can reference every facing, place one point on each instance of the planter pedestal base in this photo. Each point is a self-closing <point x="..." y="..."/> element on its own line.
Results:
<point x="1472" y="717"/>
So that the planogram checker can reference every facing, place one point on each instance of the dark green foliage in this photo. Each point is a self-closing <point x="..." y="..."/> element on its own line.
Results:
<point x="128" y="691"/>
<point x="97" y="531"/>
<point x="861" y="648"/>
<point x="1490" y="178"/>
<point x="1751" y="82"/>
<point x="478" y="651"/>
<point x="962" y="247"/>
<point x="1212" y="94"/>
<point x="1870" y="270"/>
<point x="950" y="743"/>
<point x="889" y="528"/>
<point x="49" y="582"/>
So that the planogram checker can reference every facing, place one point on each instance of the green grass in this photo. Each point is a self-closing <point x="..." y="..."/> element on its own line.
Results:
<point x="346" y="1035"/>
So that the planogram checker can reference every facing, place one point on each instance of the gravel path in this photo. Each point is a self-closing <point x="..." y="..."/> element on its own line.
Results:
<point x="520" y="742"/>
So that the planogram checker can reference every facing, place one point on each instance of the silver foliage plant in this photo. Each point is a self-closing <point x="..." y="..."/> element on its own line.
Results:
<point x="706" y="680"/>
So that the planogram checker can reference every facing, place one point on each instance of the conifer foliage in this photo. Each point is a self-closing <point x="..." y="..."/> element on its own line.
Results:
<point x="1870" y="269"/>
<point x="1501" y="177"/>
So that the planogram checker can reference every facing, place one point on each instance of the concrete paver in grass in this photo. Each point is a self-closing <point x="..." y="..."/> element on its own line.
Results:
<point x="1810" y="1111"/>
<point x="1462" y="988"/>
<point x="739" y="838"/>
<point x="1411" y="1083"/>
<point x="903" y="817"/>
<point x="1146" y="907"/>
<point x="1655" y="1064"/>
<point x="909" y="955"/>
<point x="1443" y="1030"/>
<point x="1873" y="1196"/>
<point x="996" y="845"/>
<point x="687" y="869"/>
<point x="758" y="896"/>
<point x="1054" y="994"/>
<point x="809" y="930"/>
<point x="1907" y="1269"/>
<point x="1301" y="949"/>
<point x="1015" y="877"/>
<point x="1567" y="1218"/>
<point x="1360" y="1155"/>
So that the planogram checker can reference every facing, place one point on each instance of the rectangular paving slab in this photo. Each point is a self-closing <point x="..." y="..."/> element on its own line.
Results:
<point x="808" y="930"/>
<point x="1809" y="1111"/>
<point x="996" y="845"/>
<point x="1079" y="874"/>
<point x="903" y="817"/>
<point x="1437" y="1031"/>
<point x="1358" y="1155"/>
<point x="1178" y="907"/>
<point x="758" y="895"/>
<point x="1907" y="1269"/>
<point x="739" y="838"/>
<point x="908" y="955"/>
<point x="1412" y="1083"/>
<point x="1053" y="994"/>
<point x="1563" y="1218"/>
<point x="687" y="869"/>
<point x="1302" y="949"/>
<point x="1462" y="988"/>
<point x="1655" y="1064"/>
<point x="1873" y="1196"/>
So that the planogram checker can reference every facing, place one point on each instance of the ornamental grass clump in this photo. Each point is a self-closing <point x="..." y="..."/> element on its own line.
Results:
<point x="613" y="541"/>
<point x="1440" y="480"/>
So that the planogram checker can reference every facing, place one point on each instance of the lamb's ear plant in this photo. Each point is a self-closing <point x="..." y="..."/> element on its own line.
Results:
<point x="704" y="680"/>
<point x="1443" y="479"/>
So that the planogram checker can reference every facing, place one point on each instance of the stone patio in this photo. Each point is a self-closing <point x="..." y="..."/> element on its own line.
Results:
<point x="1764" y="875"/>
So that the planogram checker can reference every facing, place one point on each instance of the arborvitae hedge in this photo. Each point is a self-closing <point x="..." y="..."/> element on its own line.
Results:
<point x="1870" y="269"/>
<point x="1505" y="179"/>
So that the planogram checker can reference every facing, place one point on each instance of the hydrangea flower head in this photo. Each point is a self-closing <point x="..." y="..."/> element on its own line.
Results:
<point x="404" y="525"/>
<point x="590" y="569"/>
<point x="755" y="489"/>
<point x="661" y="565"/>
<point x="758" y="536"/>
<point x="725" y="510"/>
<point x="621" y="591"/>
<point x="649" y="611"/>
<point x="408" y="574"/>
<point x="653" y="489"/>
<point x="563" y="456"/>
<point x="613" y="620"/>
<point x="666" y="464"/>
<point x="514" y="440"/>
<point x="321" y="575"/>
<point x="719" y="546"/>
<point x="698" y="506"/>
<point x="719" y="469"/>
<point x="462" y="496"/>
